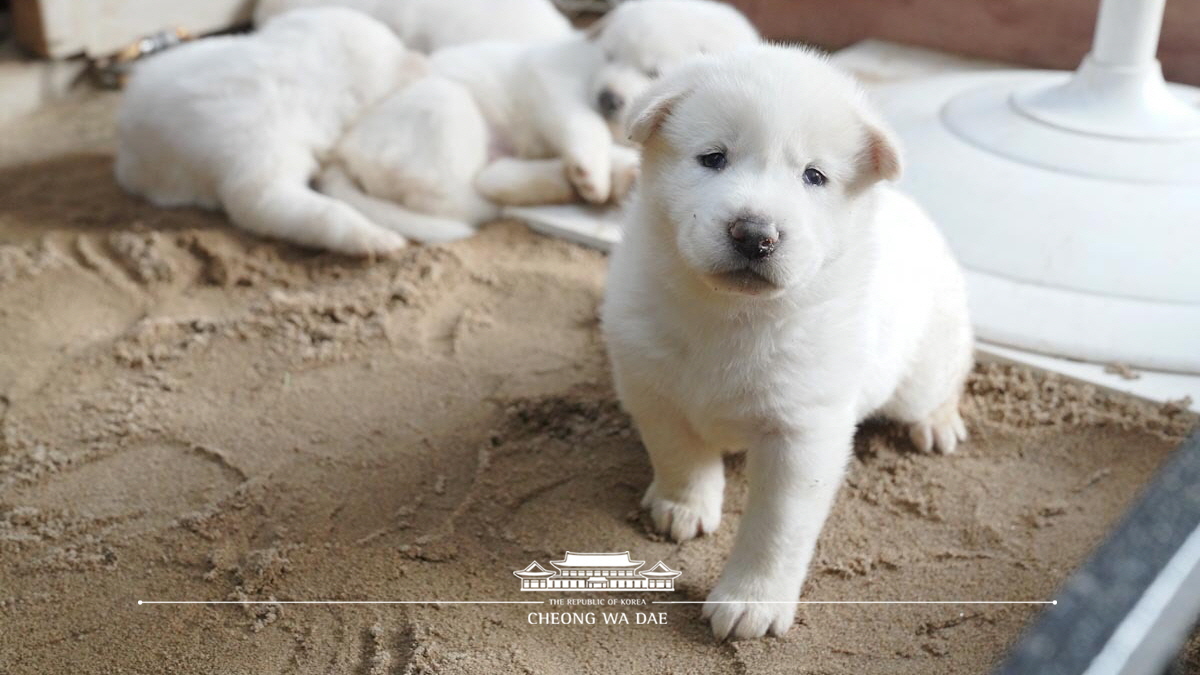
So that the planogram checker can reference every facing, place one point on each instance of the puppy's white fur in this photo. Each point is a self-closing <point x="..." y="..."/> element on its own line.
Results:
<point x="859" y="310"/>
<point x="242" y="123"/>
<point x="409" y="162"/>
<point x="429" y="25"/>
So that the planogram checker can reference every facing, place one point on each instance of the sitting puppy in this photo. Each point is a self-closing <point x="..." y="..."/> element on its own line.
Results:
<point x="242" y="122"/>
<point x="533" y="135"/>
<point x="772" y="291"/>
<point x="429" y="25"/>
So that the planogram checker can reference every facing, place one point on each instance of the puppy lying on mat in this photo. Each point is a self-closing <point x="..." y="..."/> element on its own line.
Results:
<point x="513" y="124"/>
<point x="772" y="291"/>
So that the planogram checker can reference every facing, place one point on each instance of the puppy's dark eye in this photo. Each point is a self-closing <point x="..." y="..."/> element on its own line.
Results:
<point x="652" y="73"/>
<point x="713" y="160"/>
<point x="814" y="176"/>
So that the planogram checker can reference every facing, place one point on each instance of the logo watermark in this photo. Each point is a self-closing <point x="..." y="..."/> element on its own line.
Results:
<point x="597" y="572"/>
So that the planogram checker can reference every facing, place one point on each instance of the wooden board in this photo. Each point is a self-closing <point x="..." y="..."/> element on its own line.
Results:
<point x="62" y="28"/>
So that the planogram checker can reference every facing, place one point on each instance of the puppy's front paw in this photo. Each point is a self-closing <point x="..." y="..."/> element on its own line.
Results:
<point x="683" y="519"/>
<point x="943" y="431"/>
<point x="593" y="186"/>
<point x="739" y="611"/>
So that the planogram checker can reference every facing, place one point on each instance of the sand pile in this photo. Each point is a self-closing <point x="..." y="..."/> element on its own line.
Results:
<point x="189" y="413"/>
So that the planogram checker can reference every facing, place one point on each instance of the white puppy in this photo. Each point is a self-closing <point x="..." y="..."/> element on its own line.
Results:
<point x="242" y="122"/>
<point x="771" y="292"/>
<point x="535" y="134"/>
<point x="429" y="25"/>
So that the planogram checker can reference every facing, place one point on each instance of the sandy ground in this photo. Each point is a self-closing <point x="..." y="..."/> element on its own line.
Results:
<point x="189" y="413"/>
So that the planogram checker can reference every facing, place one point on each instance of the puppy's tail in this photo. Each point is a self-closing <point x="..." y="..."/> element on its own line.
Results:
<point x="299" y="214"/>
<point x="335" y="182"/>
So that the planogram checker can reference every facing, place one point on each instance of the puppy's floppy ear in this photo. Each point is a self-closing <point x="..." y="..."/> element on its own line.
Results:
<point x="647" y="114"/>
<point x="649" y="110"/>
<point x="879" y="158"/>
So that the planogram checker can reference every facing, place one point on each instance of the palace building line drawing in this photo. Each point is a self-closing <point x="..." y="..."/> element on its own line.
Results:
<point x="597" y="572"/>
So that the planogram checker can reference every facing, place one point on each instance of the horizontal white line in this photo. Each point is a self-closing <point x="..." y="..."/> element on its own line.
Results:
<point x="341" y="602"/>
<point x="854" y="602"/>
<point x="542" y="602"/>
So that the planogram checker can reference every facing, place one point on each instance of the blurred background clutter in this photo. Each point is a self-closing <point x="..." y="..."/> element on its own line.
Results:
<point x="1041" y="34"/>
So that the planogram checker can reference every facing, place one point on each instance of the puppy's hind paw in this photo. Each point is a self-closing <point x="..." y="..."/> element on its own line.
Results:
<point x="374" y="242"/>
<point x="681" y="521"/>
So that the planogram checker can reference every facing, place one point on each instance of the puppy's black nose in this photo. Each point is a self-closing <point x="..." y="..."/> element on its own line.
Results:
<point x="754" y="237"/>
<point x="609" y="102"/>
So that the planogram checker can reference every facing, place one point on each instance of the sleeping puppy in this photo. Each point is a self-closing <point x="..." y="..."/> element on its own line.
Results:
<point x="429" y="25"/>
<point x="772" y="291"/>
<point x="565" y="99"/>
<point x="544" y="140"/>
<point x="242" y="122"/>
<point x="638" y="46"/>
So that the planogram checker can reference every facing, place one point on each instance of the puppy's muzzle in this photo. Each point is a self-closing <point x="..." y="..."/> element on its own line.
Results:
<point x="609" y="103"/>
<point x="753" y="237"/>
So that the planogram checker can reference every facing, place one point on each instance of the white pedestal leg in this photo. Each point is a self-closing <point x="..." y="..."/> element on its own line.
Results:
<point x="1072" y="200"/>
